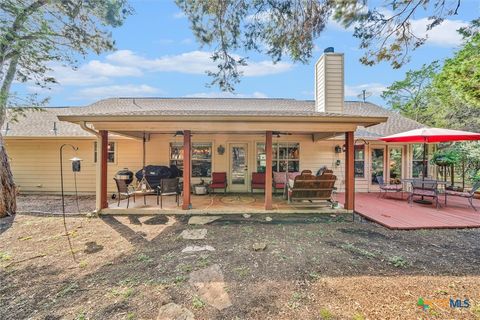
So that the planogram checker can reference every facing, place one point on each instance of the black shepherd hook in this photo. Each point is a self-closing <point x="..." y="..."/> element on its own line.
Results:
<point x="63" y="197"/>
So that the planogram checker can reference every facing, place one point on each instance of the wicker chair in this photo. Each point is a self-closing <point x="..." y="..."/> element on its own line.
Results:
<point x="124" y="190"/>
<point x="424" y="188"/>
<point x="468" y="195"/>
<point x="387" y="187"/>
<point x="168" y="187"/>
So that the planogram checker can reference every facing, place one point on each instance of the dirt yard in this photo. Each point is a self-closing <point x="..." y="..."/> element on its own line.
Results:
<point x="305" y="267"/>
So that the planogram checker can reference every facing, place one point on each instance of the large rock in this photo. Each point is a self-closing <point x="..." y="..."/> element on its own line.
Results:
<point x="172" y="311"/>
<point x="211" y="286"/>
<point x="202" y="219"/>
<point x="194" y="234"/>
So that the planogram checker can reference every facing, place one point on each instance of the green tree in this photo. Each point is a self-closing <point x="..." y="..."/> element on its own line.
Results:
<point x="457" y="86"/>
<point x="34" y="33"/>
<point x="281" y="28"/>
<point x="411" y="96"/>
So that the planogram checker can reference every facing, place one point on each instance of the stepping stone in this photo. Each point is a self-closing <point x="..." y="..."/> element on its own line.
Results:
<point x="211" y="286"/>
<point x="197" y="249"/>
<point x="246" y="215"/>
<point x="268" y="219"/>
<point x="259" y="246"/>
<point x="194" y="234"/>
<point x="173" y="311"/>
<point x="202" y="219"/>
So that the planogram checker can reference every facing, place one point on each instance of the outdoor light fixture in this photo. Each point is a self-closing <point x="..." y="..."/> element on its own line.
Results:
<point x="338" y="149"/>
<point x="221" y="150"/>
<point x="178" y="133"/>
<point x="75" y="168"/>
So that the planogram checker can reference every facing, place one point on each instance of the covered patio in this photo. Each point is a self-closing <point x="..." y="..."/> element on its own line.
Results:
<point x="394" y="212"/>
<point x="236" y="126"/>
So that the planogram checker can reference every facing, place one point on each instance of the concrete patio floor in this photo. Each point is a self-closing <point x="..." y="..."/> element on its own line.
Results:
<point x="238" y="203"/>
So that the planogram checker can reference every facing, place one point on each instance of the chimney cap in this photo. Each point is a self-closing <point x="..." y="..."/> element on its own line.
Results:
<point x="329" y="50"/>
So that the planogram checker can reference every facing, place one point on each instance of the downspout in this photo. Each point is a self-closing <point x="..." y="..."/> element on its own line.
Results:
<point x="83" y="125"/>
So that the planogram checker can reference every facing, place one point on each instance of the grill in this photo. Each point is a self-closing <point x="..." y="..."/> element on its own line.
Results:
<point x="125" y="175"/>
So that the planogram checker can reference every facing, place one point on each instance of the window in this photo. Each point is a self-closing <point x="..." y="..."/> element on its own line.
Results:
<point x="285" y="157"/>
<point x="417" y="161"/>
<point x="395" y="165"/>
<point x="110" y="153"/>
<point x="359" y="161"/>
<point x="201" y="158"/>
<point x="378" y="158"/>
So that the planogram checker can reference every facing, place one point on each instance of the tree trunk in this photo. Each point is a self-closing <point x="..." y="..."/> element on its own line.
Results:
<point x="8" y="190"/>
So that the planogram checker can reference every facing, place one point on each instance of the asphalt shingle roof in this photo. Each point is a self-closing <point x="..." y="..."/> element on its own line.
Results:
<point x="41" y="123"/>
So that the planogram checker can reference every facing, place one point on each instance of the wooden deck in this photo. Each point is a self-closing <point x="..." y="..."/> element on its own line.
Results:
<point x="395" y="213"/>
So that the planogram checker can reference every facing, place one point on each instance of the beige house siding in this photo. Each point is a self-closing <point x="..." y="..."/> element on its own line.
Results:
<point x="35" y="162"/>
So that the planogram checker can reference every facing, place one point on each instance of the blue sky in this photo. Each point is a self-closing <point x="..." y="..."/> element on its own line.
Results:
<point x="157" y="56"/>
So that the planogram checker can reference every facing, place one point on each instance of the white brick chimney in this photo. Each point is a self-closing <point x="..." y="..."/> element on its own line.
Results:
<point x="329" y="82"/>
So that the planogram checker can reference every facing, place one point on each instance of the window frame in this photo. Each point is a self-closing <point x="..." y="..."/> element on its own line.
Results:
<point x="276" y="159"/>
<point x="174" y="161"/>
<point x="355" y="160"/>
<point x="114" y="152"/>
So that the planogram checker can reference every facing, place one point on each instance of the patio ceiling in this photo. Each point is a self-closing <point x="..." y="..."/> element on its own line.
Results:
<point x="134" y="125"/>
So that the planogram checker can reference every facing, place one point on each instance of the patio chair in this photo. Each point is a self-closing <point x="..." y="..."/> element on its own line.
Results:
<point x="258" y="181"/>
<point x="311" y="188"/>
<point x="387" y="187"/>
<point x="424" y="188"/>
<point x="124" y="190"/>
<point x="219" y="181"/>
<point x="168" y="187"/>
<point x="468" y="195"/>
<point x="279" y="180"/>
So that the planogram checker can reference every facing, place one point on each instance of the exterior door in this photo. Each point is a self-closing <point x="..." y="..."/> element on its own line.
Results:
<point x="238" y="171"/>
<point x="377" y="159"/>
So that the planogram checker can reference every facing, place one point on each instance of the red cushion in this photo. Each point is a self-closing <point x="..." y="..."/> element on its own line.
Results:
<point x="218" y="185"/>
<point x="279" y="185"/>
<point x="258" y="185"/>
<point x="258" y="177"/>
<point x="219" y="177"/>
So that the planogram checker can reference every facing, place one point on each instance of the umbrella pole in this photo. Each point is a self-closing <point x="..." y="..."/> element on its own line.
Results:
<point x="425" y="167"/>
<point x="425" y="172"/>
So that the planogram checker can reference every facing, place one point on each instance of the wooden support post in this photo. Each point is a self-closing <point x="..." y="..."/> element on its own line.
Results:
<point x="187" y="169"/>
<point x="349" y="171"/>
<point x="268" y="170"/>
<point x="103" y="168"/>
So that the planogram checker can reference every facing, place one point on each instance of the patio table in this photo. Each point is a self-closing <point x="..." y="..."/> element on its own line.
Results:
<point x="439" y="182"/>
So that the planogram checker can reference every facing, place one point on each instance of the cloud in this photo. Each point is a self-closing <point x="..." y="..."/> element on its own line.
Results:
<point x="374" y="88"/>
<point x="179" y="15"/>
<point x="129" y="90"/>
<point x="193" y="62"/>
<point x="444" y="35"/>
<point x="93" y="72"/>
<point x="255" y="94"/>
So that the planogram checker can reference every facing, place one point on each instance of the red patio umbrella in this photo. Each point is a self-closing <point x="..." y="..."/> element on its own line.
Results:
<point x="431" y="135"/>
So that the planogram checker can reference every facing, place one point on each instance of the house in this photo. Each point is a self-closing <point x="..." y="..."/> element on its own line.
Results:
<point x="302" y="134"/>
